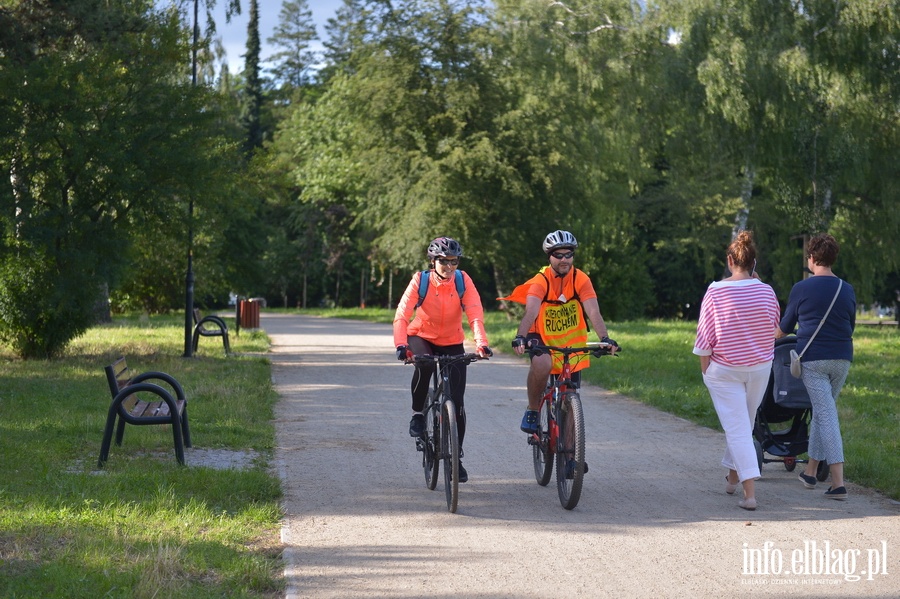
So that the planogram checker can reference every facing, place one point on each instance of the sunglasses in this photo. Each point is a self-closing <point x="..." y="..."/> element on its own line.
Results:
<point x="448" y="261"/>
<point x="563" y="255"/>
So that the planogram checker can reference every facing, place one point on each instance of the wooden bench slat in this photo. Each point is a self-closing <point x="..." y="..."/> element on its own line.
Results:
<point x="149" y="409"/>
<point x="130" y="402"/>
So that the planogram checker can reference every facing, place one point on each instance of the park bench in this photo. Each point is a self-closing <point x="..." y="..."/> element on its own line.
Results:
<point x="136" y="400"/>
<point x="210" y="326"/>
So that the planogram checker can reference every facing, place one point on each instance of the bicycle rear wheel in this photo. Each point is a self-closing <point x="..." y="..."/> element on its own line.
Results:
<point x="430" y="461"/>
<point x="450" y="454"/>
<point x="540" y="448"/>
<point x="570" y="449"/>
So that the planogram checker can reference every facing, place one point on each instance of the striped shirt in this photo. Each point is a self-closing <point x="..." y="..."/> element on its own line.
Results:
<point x="737" y="323"/>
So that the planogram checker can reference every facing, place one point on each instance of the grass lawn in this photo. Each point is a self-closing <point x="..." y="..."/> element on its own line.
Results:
<point x="142" y="526"/>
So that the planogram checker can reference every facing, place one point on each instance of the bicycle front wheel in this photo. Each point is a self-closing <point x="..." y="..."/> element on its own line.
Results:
<point x="570" y="449"/>
<point x="430" y="460"/>
<point x="450" y="454"/>
<point x="540" y="447"/>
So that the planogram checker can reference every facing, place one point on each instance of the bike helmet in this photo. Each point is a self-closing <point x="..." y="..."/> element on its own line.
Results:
<point x="441" y="247"/>
<point x="559" y="239"/>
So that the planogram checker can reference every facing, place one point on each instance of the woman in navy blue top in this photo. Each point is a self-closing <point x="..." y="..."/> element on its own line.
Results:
<point x="826" y="362"/>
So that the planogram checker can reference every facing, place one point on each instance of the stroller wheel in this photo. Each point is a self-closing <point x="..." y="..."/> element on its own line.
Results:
<point x="790" y="462"/>
<point x="822" y="471"/>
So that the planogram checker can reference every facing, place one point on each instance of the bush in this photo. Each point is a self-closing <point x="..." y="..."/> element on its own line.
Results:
<point x="44" y="306"/>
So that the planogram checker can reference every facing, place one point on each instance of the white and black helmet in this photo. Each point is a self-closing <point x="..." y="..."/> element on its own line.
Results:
<point x="559" y="239"/>
<point x="443" y="247"/>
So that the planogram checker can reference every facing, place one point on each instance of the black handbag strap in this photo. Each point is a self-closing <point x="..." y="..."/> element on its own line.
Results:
<point x="827" y="312"/>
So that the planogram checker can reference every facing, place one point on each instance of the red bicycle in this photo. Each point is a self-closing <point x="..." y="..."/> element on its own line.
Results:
<point x="561" y="434"/>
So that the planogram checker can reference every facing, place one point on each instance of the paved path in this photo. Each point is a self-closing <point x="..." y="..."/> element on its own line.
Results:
<point x="653" y="521"/>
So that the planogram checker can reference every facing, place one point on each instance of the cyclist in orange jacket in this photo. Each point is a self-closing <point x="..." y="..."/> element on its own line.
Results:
<point x="437" y="330"/>
<point x="556" y="301"/>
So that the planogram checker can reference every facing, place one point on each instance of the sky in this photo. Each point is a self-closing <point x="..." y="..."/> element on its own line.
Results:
<point x="234" y="34"/>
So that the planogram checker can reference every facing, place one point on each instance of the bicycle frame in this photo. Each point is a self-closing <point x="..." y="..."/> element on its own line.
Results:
<point x="560" y="436"/>
<point x="440" y="442"/>
<point x="557" y="384"/>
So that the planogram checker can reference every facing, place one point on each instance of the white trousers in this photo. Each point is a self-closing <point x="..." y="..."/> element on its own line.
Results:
<point x="736" y="395"/>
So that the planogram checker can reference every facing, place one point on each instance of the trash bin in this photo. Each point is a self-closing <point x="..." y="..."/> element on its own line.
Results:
<point x="249" y="314"/>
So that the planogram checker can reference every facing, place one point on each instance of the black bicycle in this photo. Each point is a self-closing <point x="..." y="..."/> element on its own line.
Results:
<point x="561" y="434"/>
<point x="440" y="441"/>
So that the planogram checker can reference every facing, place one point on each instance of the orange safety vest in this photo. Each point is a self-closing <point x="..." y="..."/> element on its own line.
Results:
<point x="558" y="323"/>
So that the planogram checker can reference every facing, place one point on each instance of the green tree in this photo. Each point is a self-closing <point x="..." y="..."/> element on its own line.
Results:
<point x="436" y="128"/>
<point x="253" y="92"/>
<point x="98" y="139"/>
<point x="576" y="105"/>
<point x="803" y="93"/>
<point x="652" y="130"/>
<point x="354" y="25"/>
<point x="293" y="35"/>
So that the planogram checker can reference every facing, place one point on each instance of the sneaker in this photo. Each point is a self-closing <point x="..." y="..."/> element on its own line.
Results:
<point x="417" y="425"/>
<point x="840" y="493"/>
<point x="463" y="475"/>
<point x="530" y="423"/>
<point x="570" y="468"/>
<point x="808" y="481"/>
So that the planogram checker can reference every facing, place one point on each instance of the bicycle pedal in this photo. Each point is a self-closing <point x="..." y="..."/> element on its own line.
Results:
<point x="420" y="444"/>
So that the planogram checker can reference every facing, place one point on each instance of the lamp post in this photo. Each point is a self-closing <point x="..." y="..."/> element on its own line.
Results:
<point x="189" y="276"/>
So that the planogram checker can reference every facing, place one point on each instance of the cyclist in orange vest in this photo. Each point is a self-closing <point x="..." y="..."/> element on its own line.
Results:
<point x="556" y="301"/>
<point x="437" y="330"/>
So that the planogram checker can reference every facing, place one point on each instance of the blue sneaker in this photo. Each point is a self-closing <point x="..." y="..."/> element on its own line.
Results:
<point x="530" y="422"/>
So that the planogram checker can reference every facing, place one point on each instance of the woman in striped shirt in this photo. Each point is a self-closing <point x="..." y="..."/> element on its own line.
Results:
<point x="736" y="348"/>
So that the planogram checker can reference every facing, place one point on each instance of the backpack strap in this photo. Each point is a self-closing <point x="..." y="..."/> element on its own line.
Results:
<point x="425" y="277"/>
<point x="547" y="299"/>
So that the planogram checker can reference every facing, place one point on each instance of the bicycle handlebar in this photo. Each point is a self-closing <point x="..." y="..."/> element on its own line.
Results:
<point x="445" y="360"/>
<point x="595" y="349"/>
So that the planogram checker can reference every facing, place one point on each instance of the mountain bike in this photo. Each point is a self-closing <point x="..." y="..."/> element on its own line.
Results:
<point x="561" y="434"/>
<point x="440" y="441"/>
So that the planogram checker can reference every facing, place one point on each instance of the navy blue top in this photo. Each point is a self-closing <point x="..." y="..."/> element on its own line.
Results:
<point x="807" y="304"/>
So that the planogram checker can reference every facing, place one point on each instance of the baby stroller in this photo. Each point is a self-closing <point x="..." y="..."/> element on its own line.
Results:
<point x="785" y="406"/>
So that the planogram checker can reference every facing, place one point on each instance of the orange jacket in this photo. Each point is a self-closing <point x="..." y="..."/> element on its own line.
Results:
<point x="439" y="318"/>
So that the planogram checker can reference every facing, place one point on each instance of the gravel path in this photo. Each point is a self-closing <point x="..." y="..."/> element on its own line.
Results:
<point x="653" y="519"/>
